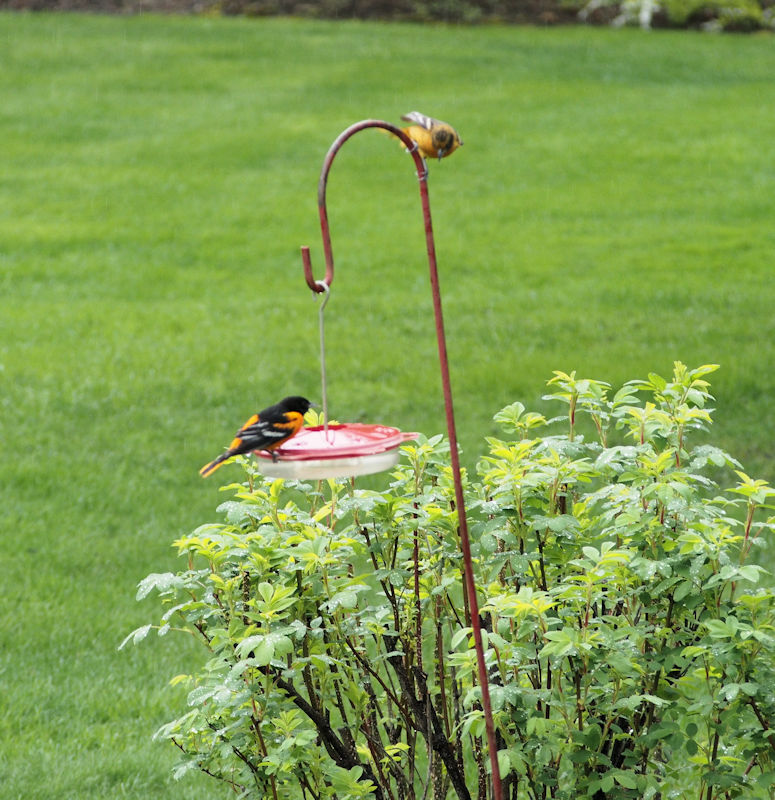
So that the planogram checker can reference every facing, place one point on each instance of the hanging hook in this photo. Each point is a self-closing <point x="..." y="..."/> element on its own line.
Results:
<point x="316" y="286"/>
<point x="422" y="175"/>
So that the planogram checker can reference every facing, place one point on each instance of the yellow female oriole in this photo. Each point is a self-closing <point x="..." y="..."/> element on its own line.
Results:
<point x="435" y="139"/>
<point x="266" y="430"/>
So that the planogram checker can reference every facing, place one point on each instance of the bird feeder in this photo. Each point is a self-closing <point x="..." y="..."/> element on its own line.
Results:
<point x="335" y="451"/>
<point x="354" y="449"/>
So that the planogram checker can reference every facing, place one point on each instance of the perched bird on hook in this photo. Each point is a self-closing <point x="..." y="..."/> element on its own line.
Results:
<point x="435" y="139"/>
<point x="266" y="430"/>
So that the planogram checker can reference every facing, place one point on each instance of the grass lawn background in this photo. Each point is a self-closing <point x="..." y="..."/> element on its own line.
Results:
<point x="611" y="211"/>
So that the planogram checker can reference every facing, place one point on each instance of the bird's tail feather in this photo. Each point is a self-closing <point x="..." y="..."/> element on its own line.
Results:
<point x="208" y="469"/>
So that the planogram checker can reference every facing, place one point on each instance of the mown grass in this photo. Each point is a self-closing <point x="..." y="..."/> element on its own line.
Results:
<point x="611" y="211"/>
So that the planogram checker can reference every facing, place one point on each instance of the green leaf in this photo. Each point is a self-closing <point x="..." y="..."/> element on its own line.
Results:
<point x="719" y="629"/>
<point x="627" y="779"/>
<point x="459" y="636"/>
<point x="181" y="769"/>
<point x="346" y="599"/>
<point x="766" y="780"/>
<point x="136" y="636"/>
<point x="657" y="382"/>
<point x="751" y="572"/>
<point x="504" y="763"/>
<point x="161" y="582"/>
<point x="261" y="648"/>
<point x="621" y="663"/>
<point x="592" y="736"/>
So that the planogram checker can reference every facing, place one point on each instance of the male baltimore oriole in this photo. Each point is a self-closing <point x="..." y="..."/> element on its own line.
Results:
<point x="435" y="139"/>
<point x="266" y="430"/>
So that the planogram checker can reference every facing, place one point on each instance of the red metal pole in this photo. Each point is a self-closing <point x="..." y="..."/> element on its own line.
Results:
<point x="465" y="543"/>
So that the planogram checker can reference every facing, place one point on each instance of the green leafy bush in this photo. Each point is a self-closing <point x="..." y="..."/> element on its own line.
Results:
<point x="628" y="632"/>
<point x="730" y="15"/>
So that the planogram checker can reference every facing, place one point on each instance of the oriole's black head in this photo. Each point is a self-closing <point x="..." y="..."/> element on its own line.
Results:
<point x="296" y="403"/>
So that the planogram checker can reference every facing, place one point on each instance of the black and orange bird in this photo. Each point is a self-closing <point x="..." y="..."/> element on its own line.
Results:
<point x="266" y="430"/>
<point x="435" y="139"/>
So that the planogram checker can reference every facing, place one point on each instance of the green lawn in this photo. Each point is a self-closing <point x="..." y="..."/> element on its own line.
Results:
<point x="612" y="210"/>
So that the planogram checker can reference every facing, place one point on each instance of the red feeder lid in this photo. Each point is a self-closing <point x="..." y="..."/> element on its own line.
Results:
<point x="345" y="450"/>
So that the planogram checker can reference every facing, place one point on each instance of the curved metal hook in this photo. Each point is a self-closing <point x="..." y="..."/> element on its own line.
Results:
<point x="422" y="175"/>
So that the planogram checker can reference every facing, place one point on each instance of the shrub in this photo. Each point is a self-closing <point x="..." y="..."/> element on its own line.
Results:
<point x="628" y="633"/>
<point x="730" y="15"/>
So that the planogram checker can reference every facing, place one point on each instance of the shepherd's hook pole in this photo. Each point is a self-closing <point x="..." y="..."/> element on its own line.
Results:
<point x="465" y="544"/>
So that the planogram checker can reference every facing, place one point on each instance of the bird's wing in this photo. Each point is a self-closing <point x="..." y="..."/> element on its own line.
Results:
<point x="423" y="120"/>
<point x="260" y="432"/>
<point x="254" y="430"/>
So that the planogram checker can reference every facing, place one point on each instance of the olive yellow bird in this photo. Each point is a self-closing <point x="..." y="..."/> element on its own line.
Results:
<point x="434" y="138"/>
